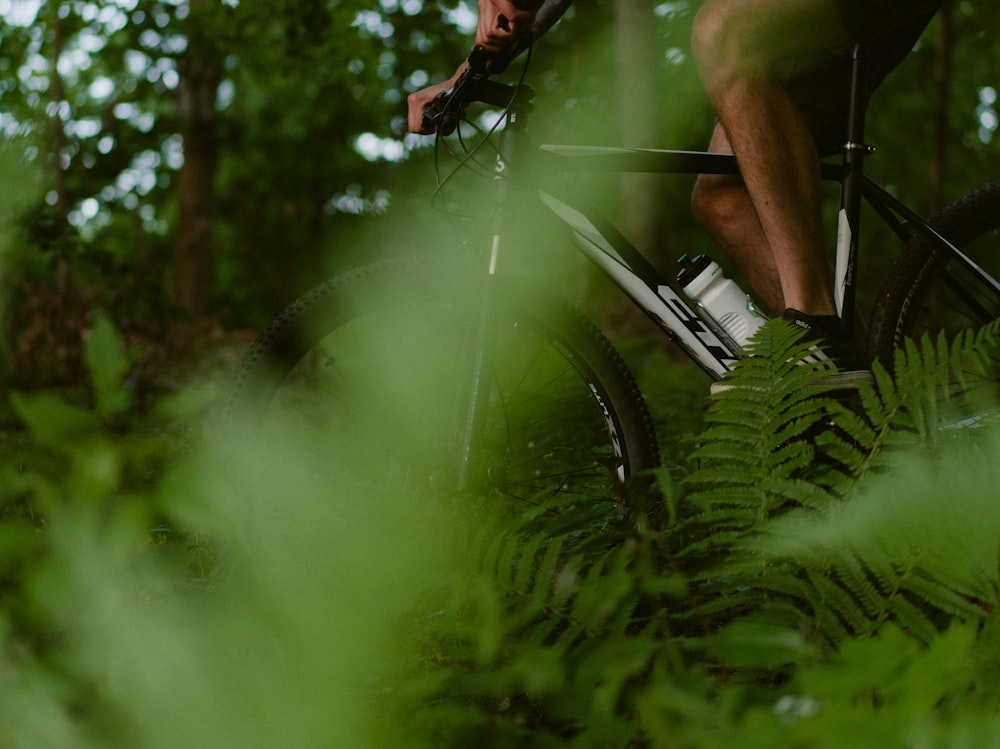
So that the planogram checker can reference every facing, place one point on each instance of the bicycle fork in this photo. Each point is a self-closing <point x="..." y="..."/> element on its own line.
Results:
<point x="482" y="348"/>
<point x="481" y="361"/>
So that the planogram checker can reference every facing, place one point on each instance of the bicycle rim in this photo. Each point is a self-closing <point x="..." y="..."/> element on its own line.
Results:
<point x="930" y="292"/>
<point x="367" y="374"/>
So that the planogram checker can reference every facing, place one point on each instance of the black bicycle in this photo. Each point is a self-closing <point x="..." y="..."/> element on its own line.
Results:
<point x="449" y="369"/>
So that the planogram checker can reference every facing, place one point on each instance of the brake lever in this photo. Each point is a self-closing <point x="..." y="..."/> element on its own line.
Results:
<point x="439" y="116"/>
<point x="443" y="113"/>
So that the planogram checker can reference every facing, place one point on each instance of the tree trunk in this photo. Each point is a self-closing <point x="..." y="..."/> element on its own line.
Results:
<point x="58" y="132"/>
<point x="194" y="239"/>
<point x="641" y="96"/>
<point x="942" y="95"/>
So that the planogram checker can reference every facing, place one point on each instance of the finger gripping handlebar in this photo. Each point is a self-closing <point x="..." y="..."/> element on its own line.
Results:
<point x="446" y="110"/>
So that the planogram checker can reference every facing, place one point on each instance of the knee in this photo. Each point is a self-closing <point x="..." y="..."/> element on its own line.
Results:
<point x="710" y="27"/>
<point x="712" y="36"/>
<point x="723" y="44"/>
<point x="719" y="203"/>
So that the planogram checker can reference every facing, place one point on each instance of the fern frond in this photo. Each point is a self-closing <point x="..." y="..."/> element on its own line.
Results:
<point x="855" y="575"/>
<point x="784" y="505"/>
<point x="905" y="411"/>
<point x="758" y="449"/>
<point x="916" y="620"/>
<point x="811" y="525"/>
<point x="836" y="613"/>
<point x="941" y="596"/>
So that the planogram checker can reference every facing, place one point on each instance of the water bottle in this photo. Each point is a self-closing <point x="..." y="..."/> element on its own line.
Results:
<point x="726" y="305"/>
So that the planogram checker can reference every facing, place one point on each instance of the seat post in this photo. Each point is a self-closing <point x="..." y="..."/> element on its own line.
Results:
<point x="855" y="151"/>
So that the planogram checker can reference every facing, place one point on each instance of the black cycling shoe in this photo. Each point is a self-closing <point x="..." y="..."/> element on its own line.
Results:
<point x="833" y="348"/>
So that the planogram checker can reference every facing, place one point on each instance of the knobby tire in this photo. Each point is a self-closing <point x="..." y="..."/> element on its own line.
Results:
<point x="366" y="371"/>
<point x="927" y="291"/>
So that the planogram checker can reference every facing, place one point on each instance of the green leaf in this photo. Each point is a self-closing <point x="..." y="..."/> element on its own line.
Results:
<point x="108" y="365"/>
<point x="55" y="423"/>
<point x="757" y="644"/>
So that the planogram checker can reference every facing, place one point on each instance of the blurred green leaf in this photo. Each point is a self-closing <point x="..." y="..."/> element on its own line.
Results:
<point x="55" y="423"/>
<point x="108" y="364"/>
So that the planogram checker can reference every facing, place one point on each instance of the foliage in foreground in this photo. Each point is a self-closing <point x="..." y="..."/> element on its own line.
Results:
<point x="809" y="585"/>
<point x="805" y="585"/>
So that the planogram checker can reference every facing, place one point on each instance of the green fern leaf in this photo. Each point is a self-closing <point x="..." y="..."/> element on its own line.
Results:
<point x="912" y="618"/>
<point x="940" y="595"/>
<point x="835" y="598"/>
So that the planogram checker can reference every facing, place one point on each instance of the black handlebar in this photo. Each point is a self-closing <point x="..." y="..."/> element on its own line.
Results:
<point x="447" y="109"/>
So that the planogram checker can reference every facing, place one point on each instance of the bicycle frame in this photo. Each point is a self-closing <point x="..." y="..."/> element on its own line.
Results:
<point x="658" y="297"/>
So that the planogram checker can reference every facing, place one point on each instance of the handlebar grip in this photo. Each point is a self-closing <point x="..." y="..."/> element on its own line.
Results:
<point x="445" y="110"/>
<point x="437" y="118"/>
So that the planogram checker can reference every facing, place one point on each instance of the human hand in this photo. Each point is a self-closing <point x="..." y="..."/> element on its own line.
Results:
<point x="505" y="23"/>
<point x="505" y="26"/>
<point x="418" y="101"/>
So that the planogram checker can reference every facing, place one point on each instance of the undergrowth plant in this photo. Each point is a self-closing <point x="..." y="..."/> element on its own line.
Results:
<point x="824" y="559"/>
<point x="823" y="572"/>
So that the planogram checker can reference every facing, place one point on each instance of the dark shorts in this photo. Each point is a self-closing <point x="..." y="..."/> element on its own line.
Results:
<point x="891" y="27"/>
<point x="866" y="19"/>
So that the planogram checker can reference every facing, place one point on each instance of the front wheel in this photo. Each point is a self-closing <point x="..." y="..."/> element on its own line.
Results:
<point x="368" y="371"/>
<point x="930" y="292"/>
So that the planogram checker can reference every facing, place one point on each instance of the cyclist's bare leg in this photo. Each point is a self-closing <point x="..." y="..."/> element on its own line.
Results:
<point x="722" y="206"/>
<point x="741" y="48"/>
